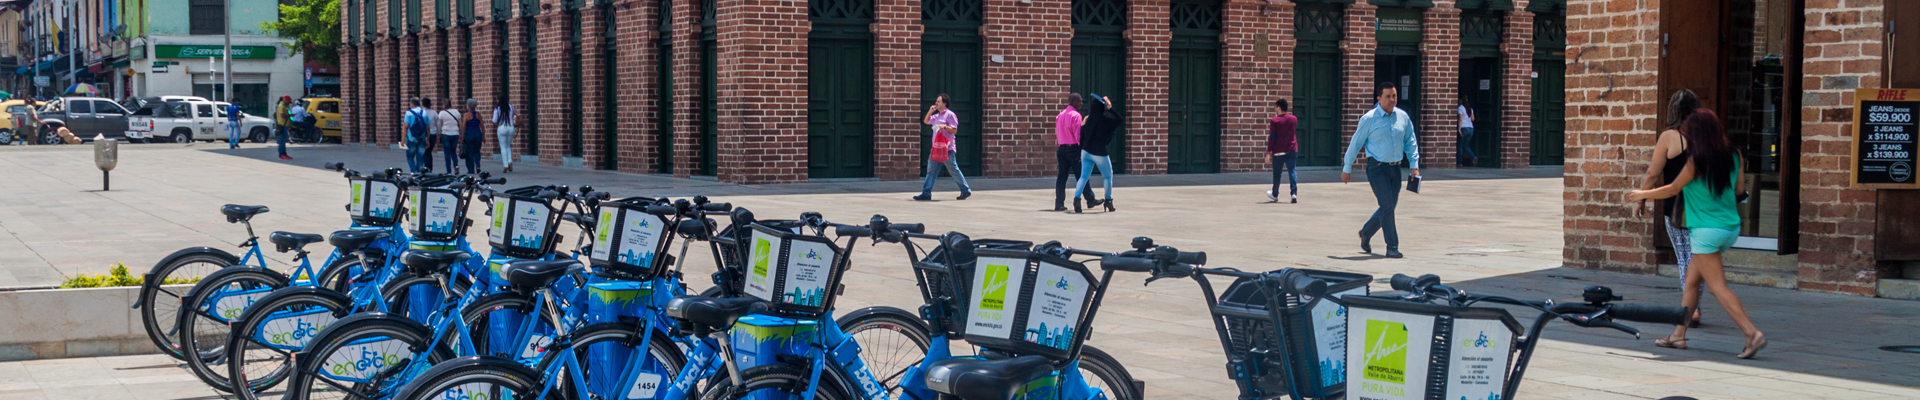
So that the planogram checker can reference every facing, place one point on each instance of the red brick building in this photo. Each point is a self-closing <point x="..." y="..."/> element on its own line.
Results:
<point x="1783" y="75"/>
<point x="761" y="91"/>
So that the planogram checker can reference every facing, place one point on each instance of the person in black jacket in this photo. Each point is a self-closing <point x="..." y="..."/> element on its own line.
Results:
<point x="1102" y="120"/>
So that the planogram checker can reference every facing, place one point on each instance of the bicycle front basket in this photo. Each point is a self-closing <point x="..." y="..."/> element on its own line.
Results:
<point x="1404" y="350"/>
<point x="1028" y="303"/>
<point x="436" y="213"/>
<point x="947" y="273"/>
<point x="374" y="201"/>
<point x="628" y="240"/>
<point x="799" y="274"/>
<point x="523" y="224"/>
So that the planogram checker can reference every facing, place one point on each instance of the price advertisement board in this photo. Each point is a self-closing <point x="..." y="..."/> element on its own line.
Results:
<point x="1886" y="138"/>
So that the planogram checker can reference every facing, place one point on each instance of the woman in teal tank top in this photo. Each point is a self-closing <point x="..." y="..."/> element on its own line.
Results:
<point x="1713" y="217"/>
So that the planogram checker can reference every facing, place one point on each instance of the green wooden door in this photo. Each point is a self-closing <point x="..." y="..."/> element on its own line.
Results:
<point x="1100" y="62"/>
<point x="839" y="103"/>
<point x="950" y="63"/>
<point x="1480" y="79"/>
<point x="663" y="116"/>
<point x="1549" y="108"/>
<point x="1400" y="65"/>
<point x="1193" y="83"/>
<point x="1316" y="84"/>
<point x="709" y="92"/>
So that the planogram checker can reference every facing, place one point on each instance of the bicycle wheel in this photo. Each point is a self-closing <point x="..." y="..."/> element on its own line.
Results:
<point x="361" y="357"/>
<point x="605" y="350"/>
<point x="891" y="341"/>
<point x="160" y="304"/>
<point x="777" y="381"/>
<point x="211" y="308"/>
<point x="1105" y="373"/>
<point x="505" y="313"/>
<point x="401" y="293"/>
<point x="338" y="275"/>
<point x="475" y="378"/>
<point x="266" y="336"/>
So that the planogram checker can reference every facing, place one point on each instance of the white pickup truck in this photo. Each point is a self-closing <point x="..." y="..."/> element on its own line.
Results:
<point x="184" y="120"/>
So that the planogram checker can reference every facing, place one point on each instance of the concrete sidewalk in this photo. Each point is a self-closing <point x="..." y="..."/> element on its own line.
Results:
<point x="1486" y="235"/>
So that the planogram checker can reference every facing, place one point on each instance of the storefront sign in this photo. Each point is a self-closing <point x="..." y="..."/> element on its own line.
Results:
<point x="239" y="52"/>
<point x="1397" y="25"/>
<point x="1886" y="138"/>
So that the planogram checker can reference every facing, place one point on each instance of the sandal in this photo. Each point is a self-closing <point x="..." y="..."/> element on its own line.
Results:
<point x="1754" y="344"/>
<point x="1671" y="343"/>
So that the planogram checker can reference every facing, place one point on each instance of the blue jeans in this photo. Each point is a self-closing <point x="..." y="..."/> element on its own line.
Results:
<point x="1088" y="162"/>
<point x="233" y="133"/>
<point x="470" y="150"/>
<point x="281" y="135"/>
<point x="1385" y="180"/>
<point x="953" y="168"/>
<point x="1466" y="146"/>
<point x="449" y="147"/>
<point x="416" y="155"/>
<point x="1286" y="164"/>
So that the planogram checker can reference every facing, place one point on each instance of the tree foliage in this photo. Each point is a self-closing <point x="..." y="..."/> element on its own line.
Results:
<point x="314" y="26"/>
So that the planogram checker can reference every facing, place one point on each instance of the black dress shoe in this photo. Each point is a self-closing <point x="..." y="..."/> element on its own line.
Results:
<point x="1058" y="208"/>
<point x="964" y="195"/>
<point x="1365" y="247"/>
<point x="1394" y="254"/>
<point x="923" y="197"/>
<point x="1076" y="206"/>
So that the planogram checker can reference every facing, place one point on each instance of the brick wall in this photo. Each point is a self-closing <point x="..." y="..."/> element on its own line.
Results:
<point x="686" y="88"/>
<point x="1148" y="38"/>
<point x="896" y="89"/>
<point x="1842" y="53"/>
<point x="518" y="94"/>
<point x="1359" y="47"/>
<point x="1023" y="94"/>
<point x="1516" y="118"/>
<point x="486" y="55"/>
<point x="1612" y="70"/>
<point x="555" y="98"/>
<point x="349" y="72"/>
<point x="385" y="102"/>
<point x="433" y="58"/>
<point x="766" y="57"/>
<point x="637" y="75"/>
<point x="594" y="86"/>
<point x="1439" y="124"/>
<point x="1251" y="80"/>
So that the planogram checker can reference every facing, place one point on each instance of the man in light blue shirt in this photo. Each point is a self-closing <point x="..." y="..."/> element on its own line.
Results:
<point x="1387" y="135"/>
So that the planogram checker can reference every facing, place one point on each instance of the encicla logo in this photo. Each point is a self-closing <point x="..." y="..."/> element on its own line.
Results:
<point x="993" y="293"/>
<point x="762" y="250"/>
<point x="1385" y="354"/>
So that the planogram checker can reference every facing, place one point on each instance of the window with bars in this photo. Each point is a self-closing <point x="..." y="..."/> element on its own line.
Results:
<point x="861" y="10"/>
<point x="206" y="17"/>
<point x="353" y="22"/>
<point x="393" y="18"/>
<point x="1197" y="17"/>
<point x="1099" y="13"/>
<point x="951" y="11"/>
<point x="413" y="16"/>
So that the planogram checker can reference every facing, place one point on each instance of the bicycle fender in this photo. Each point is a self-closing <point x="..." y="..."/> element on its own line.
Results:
<point x="292" y="291"/>
<point x="278" y="279"/>
<point x="148" y="284"/>
<point x="303" y="356"/>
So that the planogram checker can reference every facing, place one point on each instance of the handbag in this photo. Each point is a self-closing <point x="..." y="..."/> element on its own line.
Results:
<point x="942" y="148"/>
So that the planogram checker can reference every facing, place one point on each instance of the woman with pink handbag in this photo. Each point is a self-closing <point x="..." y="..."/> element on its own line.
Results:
<point x="945" y="125"/>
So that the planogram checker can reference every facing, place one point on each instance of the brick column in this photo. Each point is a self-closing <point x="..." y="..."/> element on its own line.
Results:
<point x="1149" y="37"/>
<point x="1360" y="47"/>
<point x="486" y="76"/>
<point x="385" y="99"/>
<point x="762" y="141"/>
<point x="1612" y="70"/>
<point x="1252" y="78"/>
<point x="517" y="90"/>
<point x="365" y="130"/>
<point x="409" y="59"/>
<point x="686" y="87"/>
<point x="1439" y="124"/>
<point x="1516" y="116"/>
<point x="593" y="87"/>
<point x="458" y="55"/>
<point x="1844" y="50"/>
<point x="348" y="73"/>
<point x="433" y="59"/>
<point x="896" y="89"/>
<point x="637" y="74"/>
<point x="1023" y="94"/>
<point x="555" y="94"/>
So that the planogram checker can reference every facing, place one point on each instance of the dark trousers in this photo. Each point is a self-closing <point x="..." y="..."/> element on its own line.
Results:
<point x="449" y="145"/>
<point x="1385" y="180"/>
<point x="470" y="150"/>
<point x="1069" y="156"/>
<point x="281" y="134"/>
<point x="1286" y="165"/>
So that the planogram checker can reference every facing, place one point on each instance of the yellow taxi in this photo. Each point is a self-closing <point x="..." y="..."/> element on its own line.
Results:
<point x="326" y="115"/>
<point x="11" y="110"/>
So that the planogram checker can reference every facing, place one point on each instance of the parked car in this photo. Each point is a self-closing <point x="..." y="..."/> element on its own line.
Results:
<point x="13" y="116"/>
<point x="87" y="117"/>
<point x="326" y="116"/>
<point x="172" y="120"/>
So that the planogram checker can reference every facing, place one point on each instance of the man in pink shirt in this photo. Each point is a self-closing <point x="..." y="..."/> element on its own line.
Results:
<point x="1066" y="129"/>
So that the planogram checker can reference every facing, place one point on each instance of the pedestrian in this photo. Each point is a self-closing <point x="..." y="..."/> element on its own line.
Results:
<point x="1283" y="151"/>
<point x="944" y="152"/>
<point x="416" y="134"/>
<point x="1102" y="119"/>
<point x="233" y="126"/>
<point x="1066" y="132"/>
<point x="504" y="116"/>
<point x="1386" y="134"/>
<point x="1710" y="182"/>
<point x="1668" y="159"/>
<point x="1464" y="146"/>
<point x="429" y="140"/>
<point x="281" y="122"/>
<point x="448" y="123"/>
<point x="471" y="136"/>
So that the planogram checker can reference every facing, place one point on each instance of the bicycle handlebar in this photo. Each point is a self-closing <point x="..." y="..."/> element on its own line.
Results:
<point x="1649" y="314"/>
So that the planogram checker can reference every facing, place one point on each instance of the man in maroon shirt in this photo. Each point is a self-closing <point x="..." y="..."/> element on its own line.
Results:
<point x="1283" y="151"/>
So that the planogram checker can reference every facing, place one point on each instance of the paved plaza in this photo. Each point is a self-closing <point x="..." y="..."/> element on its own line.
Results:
<point x="1491" y="231"/>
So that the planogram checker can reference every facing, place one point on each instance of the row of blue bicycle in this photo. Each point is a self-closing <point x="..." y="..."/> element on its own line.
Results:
<point x="404" y="307"/>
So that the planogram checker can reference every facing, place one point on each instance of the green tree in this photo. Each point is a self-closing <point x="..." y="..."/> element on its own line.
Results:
<point x="314" y="26"/>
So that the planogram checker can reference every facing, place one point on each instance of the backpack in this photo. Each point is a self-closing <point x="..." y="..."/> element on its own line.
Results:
<point x="419" y="129"/>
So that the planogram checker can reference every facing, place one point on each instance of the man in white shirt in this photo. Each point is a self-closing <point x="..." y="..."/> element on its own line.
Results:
<point x="1466" y="134"/>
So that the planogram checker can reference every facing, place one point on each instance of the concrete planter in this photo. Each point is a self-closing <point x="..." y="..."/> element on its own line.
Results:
<point x="62" y="323"/>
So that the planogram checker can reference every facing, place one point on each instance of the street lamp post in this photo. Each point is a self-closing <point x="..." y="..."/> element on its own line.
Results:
<point x="226" y="69"/>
